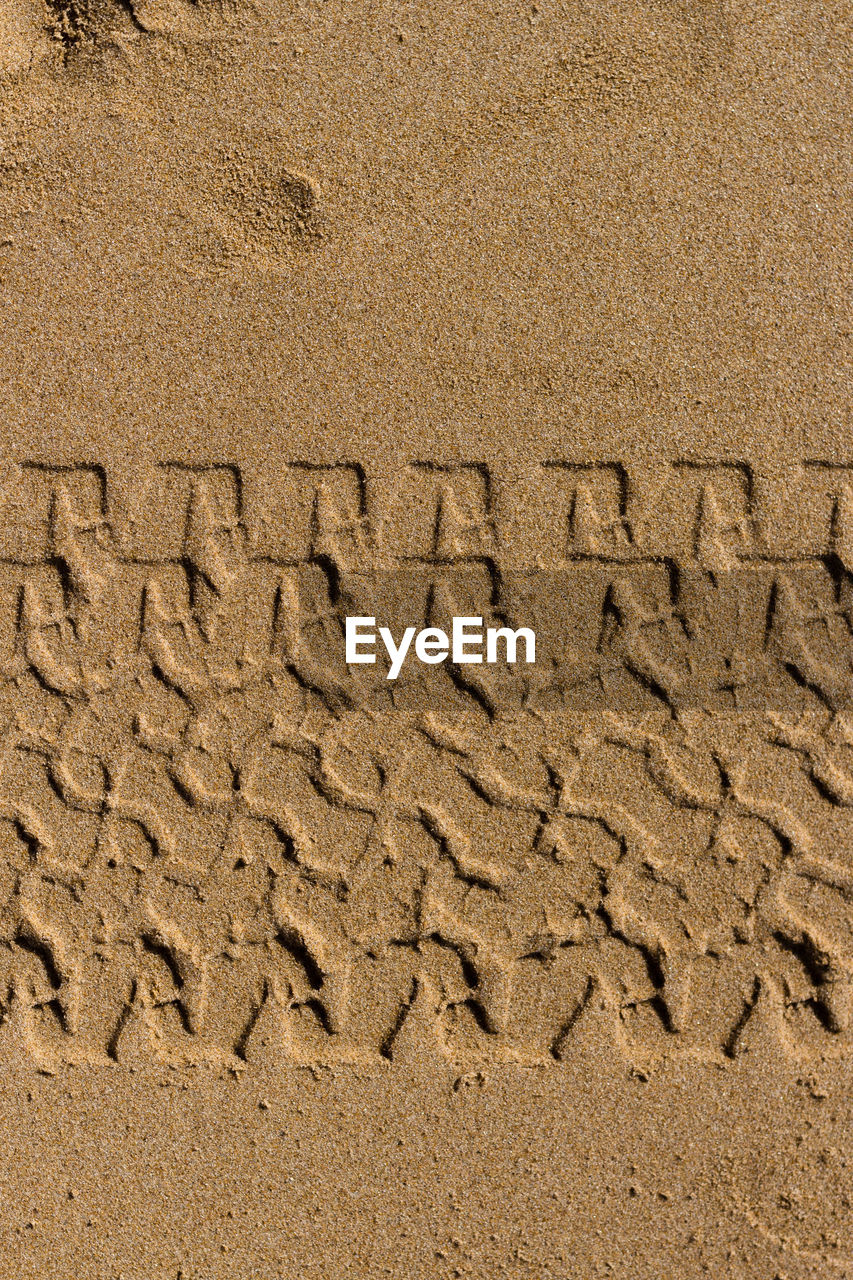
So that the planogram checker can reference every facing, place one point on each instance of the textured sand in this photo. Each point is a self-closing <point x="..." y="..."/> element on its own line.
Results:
<point x="538" y="312"/>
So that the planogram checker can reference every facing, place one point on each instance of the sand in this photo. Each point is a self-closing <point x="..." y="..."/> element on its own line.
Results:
<point x="536" y="312"/>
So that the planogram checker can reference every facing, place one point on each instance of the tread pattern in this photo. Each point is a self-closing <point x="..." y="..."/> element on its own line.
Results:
<point x="218" y="843"/>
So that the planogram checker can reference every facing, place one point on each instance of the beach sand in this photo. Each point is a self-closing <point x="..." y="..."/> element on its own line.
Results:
<point x="533" y="312"/>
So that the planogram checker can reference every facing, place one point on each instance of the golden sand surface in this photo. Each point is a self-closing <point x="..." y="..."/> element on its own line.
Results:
<point x="533" y="312"/>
